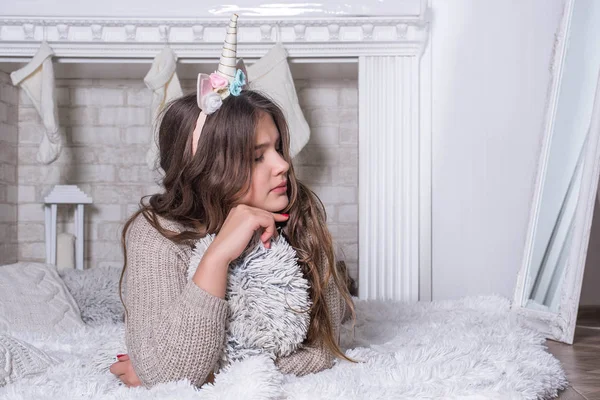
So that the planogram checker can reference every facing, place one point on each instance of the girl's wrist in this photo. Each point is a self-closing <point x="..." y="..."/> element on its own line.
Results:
<point x="215" y="258"/>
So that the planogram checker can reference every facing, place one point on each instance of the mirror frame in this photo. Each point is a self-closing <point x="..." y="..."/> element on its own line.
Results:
<point x="561" y="326"/>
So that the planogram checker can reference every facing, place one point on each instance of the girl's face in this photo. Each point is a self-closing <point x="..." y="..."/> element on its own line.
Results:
<point x="268" y="190"/>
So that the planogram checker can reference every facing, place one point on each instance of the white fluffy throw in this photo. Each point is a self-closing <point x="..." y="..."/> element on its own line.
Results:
<point x="268" y="301"/>
<point x="473" y="348"/>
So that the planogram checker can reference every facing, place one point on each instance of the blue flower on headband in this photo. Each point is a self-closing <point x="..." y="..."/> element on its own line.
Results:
<point x="235" y="87"/>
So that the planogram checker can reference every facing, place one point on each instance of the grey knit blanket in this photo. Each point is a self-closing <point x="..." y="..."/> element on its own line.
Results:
<point x="268" y="301"/>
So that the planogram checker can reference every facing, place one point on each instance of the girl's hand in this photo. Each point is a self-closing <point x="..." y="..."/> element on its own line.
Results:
<point x="239" y="228"/>
<point x="123" y="370"/>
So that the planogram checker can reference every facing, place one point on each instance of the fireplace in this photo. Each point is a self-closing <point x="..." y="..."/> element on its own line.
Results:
<point x="393" y="64"/>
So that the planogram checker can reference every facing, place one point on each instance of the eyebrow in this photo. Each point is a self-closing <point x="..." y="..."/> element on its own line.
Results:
<point x="266" y="144"/>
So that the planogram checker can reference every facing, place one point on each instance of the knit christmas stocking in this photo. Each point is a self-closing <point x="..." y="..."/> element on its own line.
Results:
<point x="164" y="83"/>
<point x="271" y="75"/>
<point x="37" y="80"/>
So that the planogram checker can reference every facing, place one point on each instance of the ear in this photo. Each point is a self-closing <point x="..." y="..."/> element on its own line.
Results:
<point x="242" y="66"/>
<point x="203" y="86"/>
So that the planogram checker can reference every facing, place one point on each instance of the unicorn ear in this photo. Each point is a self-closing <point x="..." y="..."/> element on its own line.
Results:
<point x="203" y="87"/>
<point x="242" y="66"/>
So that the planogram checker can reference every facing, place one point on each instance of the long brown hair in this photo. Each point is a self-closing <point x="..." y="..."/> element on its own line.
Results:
<point x="200" y="190"/>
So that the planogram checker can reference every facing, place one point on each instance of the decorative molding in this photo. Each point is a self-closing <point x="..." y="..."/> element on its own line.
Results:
<point x="389" y="174"/>
<point x="96" y="31"/>
<point x="198" y="38"/>
<point x="367" y="31"/>
<point x="198" y="31"/>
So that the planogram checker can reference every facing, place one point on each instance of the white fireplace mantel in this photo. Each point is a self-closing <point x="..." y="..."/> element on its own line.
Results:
<point x="394" y="81"/>
<point x="97" y="39"/>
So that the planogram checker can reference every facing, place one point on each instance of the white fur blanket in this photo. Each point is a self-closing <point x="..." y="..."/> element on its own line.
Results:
<point x="472" y="348"/>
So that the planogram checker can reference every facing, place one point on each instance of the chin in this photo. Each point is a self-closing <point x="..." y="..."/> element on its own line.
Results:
<point x="277" y="205"/>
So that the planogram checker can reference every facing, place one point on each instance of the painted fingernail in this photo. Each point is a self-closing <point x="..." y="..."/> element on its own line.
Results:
<point x="286" y="215"/>
<point x="120" y="355"/>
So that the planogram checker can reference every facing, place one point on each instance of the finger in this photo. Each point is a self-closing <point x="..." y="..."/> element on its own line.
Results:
<point x="118" y="368"/>
<point x="122" y="357"/>
<point x="280" y="217"/>
<point x="269" y="231"/>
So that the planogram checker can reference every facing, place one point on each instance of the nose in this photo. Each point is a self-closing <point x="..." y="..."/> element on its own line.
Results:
<point x="281" y="166"/>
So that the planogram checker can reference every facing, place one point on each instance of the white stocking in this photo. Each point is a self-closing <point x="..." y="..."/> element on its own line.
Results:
<point x="164" y="83"/>
<point x="37" y="80"/>
<point x="271" y="75"/>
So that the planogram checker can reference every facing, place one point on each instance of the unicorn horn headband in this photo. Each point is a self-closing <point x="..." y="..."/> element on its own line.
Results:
<point x="229" y="79"/>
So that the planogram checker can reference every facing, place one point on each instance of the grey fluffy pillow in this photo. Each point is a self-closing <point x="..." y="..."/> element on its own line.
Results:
<point x="96" y="291"/>
<point x="268" y="301"/>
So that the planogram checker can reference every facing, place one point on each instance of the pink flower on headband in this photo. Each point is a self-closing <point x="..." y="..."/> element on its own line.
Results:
<point x="217" y="81"/>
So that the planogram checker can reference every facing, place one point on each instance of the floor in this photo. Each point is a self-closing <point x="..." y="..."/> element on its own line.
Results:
<point x="581" y="361"/>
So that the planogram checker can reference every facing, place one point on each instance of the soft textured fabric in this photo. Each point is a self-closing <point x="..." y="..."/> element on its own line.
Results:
<point x="96" y="292"/>
<point x="175" y="329"/>
<point x="19" y="359"/>
<point x="268" y="300"/>
<point x="271" y="76"/>
<point x="34" y="298"/>
<point x="471" y="348"/>
<point x="163" y="81"/>
<point x="37" y="80"/>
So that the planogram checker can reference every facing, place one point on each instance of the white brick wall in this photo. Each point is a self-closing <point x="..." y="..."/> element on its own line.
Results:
<point x="8" y="170"/>
<point x="107" y="123"/>
<point x="329" y="162"/>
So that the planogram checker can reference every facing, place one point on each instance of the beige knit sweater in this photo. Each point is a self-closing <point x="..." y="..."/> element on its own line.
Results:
<point x="176" y="330"/>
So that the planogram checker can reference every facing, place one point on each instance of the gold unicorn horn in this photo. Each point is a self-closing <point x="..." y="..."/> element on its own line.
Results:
<point x="228" y="60"/>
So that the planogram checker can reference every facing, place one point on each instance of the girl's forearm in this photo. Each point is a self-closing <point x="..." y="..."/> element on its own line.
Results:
<point x="211" y="274"/>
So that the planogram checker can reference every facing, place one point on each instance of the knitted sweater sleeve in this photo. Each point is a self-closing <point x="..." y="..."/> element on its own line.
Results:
<point x="174" y="329"/>
<point x="315" y="357"/>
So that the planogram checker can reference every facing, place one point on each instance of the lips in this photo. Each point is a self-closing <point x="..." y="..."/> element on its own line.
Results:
<point x="280" y="187"/>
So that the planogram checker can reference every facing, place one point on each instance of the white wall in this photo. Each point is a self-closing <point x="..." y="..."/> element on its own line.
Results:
<point x="490" y="76"/>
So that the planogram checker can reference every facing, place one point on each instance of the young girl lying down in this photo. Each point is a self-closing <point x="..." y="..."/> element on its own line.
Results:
<point x="228" y="176"/>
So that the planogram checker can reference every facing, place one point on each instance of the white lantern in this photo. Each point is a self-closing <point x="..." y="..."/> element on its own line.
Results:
<point x="65" y="194"/>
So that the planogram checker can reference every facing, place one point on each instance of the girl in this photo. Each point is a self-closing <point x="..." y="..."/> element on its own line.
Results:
<point x="235" y="180"/>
